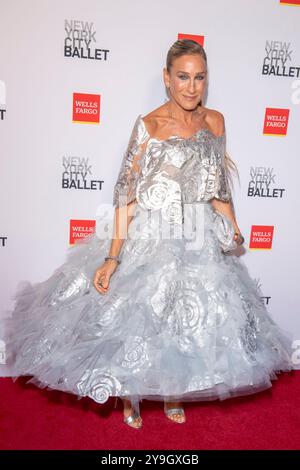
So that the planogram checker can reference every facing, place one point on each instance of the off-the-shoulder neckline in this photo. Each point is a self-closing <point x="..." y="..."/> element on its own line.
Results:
<point x="199" y="131"/>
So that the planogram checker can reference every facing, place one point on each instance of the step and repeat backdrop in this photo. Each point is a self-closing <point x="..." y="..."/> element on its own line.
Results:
<point x="75" y="75"/>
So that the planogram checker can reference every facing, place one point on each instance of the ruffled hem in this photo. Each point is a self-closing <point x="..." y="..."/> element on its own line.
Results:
<point x="176" y="324"/>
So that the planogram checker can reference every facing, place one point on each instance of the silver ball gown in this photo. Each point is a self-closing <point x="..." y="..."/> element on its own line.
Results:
<point x="182" y="320"/>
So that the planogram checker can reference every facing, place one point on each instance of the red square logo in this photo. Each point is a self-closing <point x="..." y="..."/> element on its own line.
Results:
<point x="86" y="108"/>
<point x="80" y="229"/>
<point x="261" y="237"/>
<point x="193" y="37"/>
<point x="276" y="121"/>
<point x="290" y="2"/>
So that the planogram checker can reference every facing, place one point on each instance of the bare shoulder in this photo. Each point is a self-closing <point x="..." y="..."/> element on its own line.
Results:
<point x="156" y="119"/>
<point x="215" y="120"/>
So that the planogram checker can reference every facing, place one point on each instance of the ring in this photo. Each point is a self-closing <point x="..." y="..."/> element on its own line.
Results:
<point x="240" y="236"/>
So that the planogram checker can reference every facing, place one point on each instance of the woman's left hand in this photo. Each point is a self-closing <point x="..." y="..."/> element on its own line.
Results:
<point x="238" y="237"/>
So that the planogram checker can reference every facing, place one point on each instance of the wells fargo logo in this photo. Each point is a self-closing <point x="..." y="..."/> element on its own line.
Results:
<point x="86" y="108"/>
<point x="80" y="229"/>
<point x="193" y="37"/>
<point x="261" y="237"/>
<point x="276" y="121"/>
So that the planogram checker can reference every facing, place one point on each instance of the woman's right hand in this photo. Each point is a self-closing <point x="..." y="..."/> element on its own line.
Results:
<point x="103" y="274"/>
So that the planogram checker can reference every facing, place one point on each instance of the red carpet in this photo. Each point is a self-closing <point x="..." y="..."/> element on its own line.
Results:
<point x="32" y="418"/>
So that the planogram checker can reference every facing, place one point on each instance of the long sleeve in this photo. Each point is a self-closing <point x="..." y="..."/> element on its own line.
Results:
<point x="125" y="187"/>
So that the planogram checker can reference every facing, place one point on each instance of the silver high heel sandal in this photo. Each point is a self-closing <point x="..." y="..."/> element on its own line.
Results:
<point x="131" y="419"/>
<point x="174" y="411"/>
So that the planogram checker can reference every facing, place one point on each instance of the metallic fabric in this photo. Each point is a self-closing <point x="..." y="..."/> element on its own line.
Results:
<point x="182" y="319"/>
<point x="163" y="174"/>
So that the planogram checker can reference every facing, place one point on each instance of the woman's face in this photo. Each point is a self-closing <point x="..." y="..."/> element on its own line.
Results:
<point x="187" y="80"/>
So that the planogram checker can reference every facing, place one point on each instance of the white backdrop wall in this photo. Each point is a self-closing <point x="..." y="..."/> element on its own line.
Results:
<point x="38" y="135"/>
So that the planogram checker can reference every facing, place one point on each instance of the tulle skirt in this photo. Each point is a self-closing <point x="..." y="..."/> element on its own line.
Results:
<point x="179" y="322"/>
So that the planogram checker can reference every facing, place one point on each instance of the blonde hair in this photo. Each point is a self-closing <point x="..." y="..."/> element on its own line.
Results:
<point x="183" y="47"/>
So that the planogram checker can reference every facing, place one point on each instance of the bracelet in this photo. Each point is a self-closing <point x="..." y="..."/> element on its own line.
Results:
<point x="116" y="258"/>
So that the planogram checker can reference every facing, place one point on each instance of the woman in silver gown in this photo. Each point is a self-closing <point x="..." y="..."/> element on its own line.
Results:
<point x="163" y="309"/>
